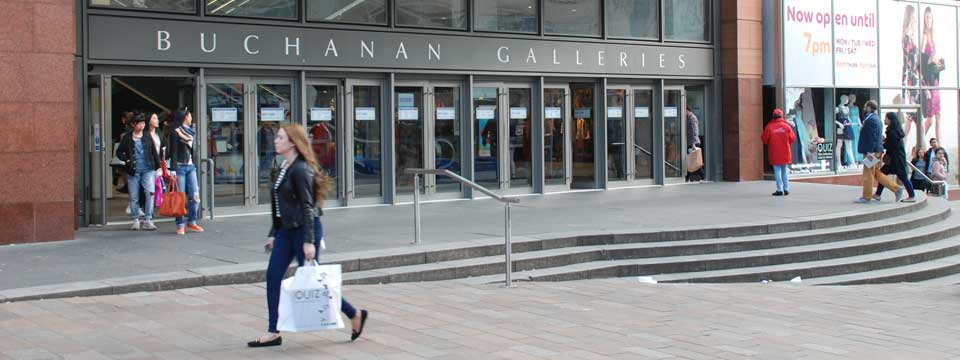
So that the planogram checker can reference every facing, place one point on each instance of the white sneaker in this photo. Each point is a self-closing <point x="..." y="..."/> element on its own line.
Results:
<point x="899" y="194"/>
<point x="861" y="201"/>
<point x="136" y="225"/>
<point x="148" y="225"/>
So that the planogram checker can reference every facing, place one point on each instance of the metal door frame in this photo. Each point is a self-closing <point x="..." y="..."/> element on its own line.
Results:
<point x="203" y="128"/>
<point x="567" y="139"/>
<point x="341" y="185"/>
<point x="630" y="105"/>
<point x="504" y="128"/>
<point x="430" y="138"/>
<point x="681" y="118"/>
<point x="349" y="199"/>
<point x="90" y="153"/>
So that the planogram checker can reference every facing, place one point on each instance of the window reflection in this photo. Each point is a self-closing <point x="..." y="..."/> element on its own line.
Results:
<point x="165" y="5"/>
<point x="254" y="8"/>
<point x="351" y="11"/>
<point x="432" y="13"/>
<point x="572" y="17"/>
<point x="507" y="15"/>
<point x="686" y="20"/>
<point x="633" y="18"/>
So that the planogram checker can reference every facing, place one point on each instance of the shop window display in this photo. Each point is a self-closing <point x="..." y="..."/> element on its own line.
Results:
<point x="813" y="151"/>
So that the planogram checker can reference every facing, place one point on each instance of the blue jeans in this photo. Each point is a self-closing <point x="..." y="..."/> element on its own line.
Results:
<point x="146" y="180"/>
<point x="902" y="176"/>
<point x="187" y="182"/>
<point x="780" y="173"/>
<point x="288" y="245"/>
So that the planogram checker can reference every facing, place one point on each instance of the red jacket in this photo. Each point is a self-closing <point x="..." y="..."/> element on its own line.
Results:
<point x="778" y="135"/>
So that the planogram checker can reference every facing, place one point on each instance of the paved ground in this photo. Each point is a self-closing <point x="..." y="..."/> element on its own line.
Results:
<point x="595" y="319"/>
<point x="111" y="252"/>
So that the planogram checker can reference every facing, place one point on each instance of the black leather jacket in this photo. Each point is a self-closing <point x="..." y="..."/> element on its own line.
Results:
<point x="126" y="152"/>
<point x="297" y="207"/>
<point x="179" y="151"/>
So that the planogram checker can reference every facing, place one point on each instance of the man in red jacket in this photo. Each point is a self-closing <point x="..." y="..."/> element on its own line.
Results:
<point x="778" y="135"/>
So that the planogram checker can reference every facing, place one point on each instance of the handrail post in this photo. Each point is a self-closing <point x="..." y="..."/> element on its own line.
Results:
<point x="416" y="209"/>
<point x="507" y="246"/>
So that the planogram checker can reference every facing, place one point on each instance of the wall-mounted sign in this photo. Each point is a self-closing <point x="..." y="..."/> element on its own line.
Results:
<point x="582" y="113"/>
<point x="669" y="112"/>
<point x="855" y="43"/>
<point x="365" y="114"/>
<point x="408" y="113"/>
<point x="641" y="112"/>
<point x="405" y="100"/>
<point x="518" y="113"/>
<point x="446" y="113"/>
<point x="553" y="113"/>
<point x="321" y="114"/>
<point x="223" y="114"/>
<point x="271" y="114"/>
<point x="808" y="42"/>
<point x="486" y="112"/>
<point x="614" y="112"/>
<point x="123" y="38"/>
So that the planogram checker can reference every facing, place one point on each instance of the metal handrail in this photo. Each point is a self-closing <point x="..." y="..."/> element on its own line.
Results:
<point x="645" y="151"/>
<point x="507" y="242"/>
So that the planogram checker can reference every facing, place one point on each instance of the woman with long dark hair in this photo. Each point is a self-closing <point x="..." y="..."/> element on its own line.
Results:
<point x="897" y="155"/>
<point x="298" y="191"/>
<point x="180" y="145"/>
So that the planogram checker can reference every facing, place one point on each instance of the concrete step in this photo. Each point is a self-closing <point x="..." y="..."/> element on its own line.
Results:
<point x="833" y="267"/>
<point x="671" y="257"/>
<point x="944" y="280"/>
<point x="426" y="254"/>
<point x="919" y="272"/>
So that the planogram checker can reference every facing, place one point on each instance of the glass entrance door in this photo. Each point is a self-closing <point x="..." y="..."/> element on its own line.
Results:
<point x="556" y="139"/>
<point x="225" y="104"/>
<point x="673" y="133"/>
<point x="446" y="152"/>
<point x="617" y="146"/>
<point x="582" y="136"/>
<point x="486" y="114"/>
<point x="409" y="129"/>
<point x="323" y="123"/>
<point x="643" y="134"/>
<point x="274" y="107"/>
<point x="518" y="134"/>
<point x="98" y="154"/>
<point x="365" y="117"/>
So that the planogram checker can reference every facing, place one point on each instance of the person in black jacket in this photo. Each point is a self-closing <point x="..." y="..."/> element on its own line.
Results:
<point x="897" y="155"/>
<point x="180" y="144"/>
<point x="140" y="163"/>
<point x="299" y="188"/>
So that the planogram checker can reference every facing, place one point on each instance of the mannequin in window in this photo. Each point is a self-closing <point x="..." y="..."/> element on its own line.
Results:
<point x="855" y="122"/>
<point x="844" y="149"/>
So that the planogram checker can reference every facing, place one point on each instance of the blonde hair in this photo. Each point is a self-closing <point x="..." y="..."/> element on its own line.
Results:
<point x="322" y="182"/>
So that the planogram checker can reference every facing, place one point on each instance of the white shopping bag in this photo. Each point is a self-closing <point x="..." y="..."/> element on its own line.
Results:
<point x="310" y="299"/>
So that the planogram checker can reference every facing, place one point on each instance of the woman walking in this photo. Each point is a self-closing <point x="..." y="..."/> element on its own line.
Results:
<point x="897" y="155"/>
<point x="140" y="162"/>
<point x="295" y="231"/>
<point x="180" y="145"/>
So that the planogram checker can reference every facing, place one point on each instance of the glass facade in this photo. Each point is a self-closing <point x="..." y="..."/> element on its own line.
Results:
<point x="633" y="18"/>
<point x="348" y="11"/>
<point x="686" y="20"/>
<point x="506" y="15"/>
<point x="284" y="9"/>
<point x="450" y="14"/>
<point x="572" y="17"/>
<point x="161" y="5"/>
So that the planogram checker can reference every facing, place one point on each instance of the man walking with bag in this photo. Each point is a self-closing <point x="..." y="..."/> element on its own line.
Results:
<point x="871" y="146"/>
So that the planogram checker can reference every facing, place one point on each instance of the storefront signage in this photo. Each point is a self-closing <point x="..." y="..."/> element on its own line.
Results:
<point x="855" y="43"/>
<point x="614" y="112"/>
<point x="446" y="113"/>
<point x="669" y="112"/>
<point x="518" y="113"/>
<point x="582" y="113"/>
<point x="134" y="39"/>
<point x="408" y="113"/>
<point x="808" y="43"/>
<point x="321" y="114"/>
<point x="552" y="113"/>
<point x="224" y="114"/>
<point x="405" y="100"/>
<point x="271" y="114"/>
<point x="366" y="114"/>
<point x="641" y="112"/>
<point x="486" y="112"/>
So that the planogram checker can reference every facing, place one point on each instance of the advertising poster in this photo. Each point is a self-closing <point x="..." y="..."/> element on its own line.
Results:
<point x="900" y="65"/>
<point x="808" y="42"/>
<point x="938" y="46"/>
<point x="855" y="44"/>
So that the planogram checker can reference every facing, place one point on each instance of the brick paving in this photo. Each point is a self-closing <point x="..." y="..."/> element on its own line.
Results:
<point x="594" y="319"/>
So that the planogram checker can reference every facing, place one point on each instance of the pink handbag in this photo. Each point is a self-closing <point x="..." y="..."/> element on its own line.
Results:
<point x="158" y="193"/>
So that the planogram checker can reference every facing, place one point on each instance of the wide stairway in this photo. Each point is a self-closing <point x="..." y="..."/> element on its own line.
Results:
<point x="908" y="243"/>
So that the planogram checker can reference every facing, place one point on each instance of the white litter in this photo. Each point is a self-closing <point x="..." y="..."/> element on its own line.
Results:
<point x="796" y="280"/>
<point x="647" y="280"/>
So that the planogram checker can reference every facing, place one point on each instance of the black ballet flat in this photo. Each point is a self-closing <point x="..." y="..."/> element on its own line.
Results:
<point x="363" y="321"/>
<point x="256" y="343"/>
